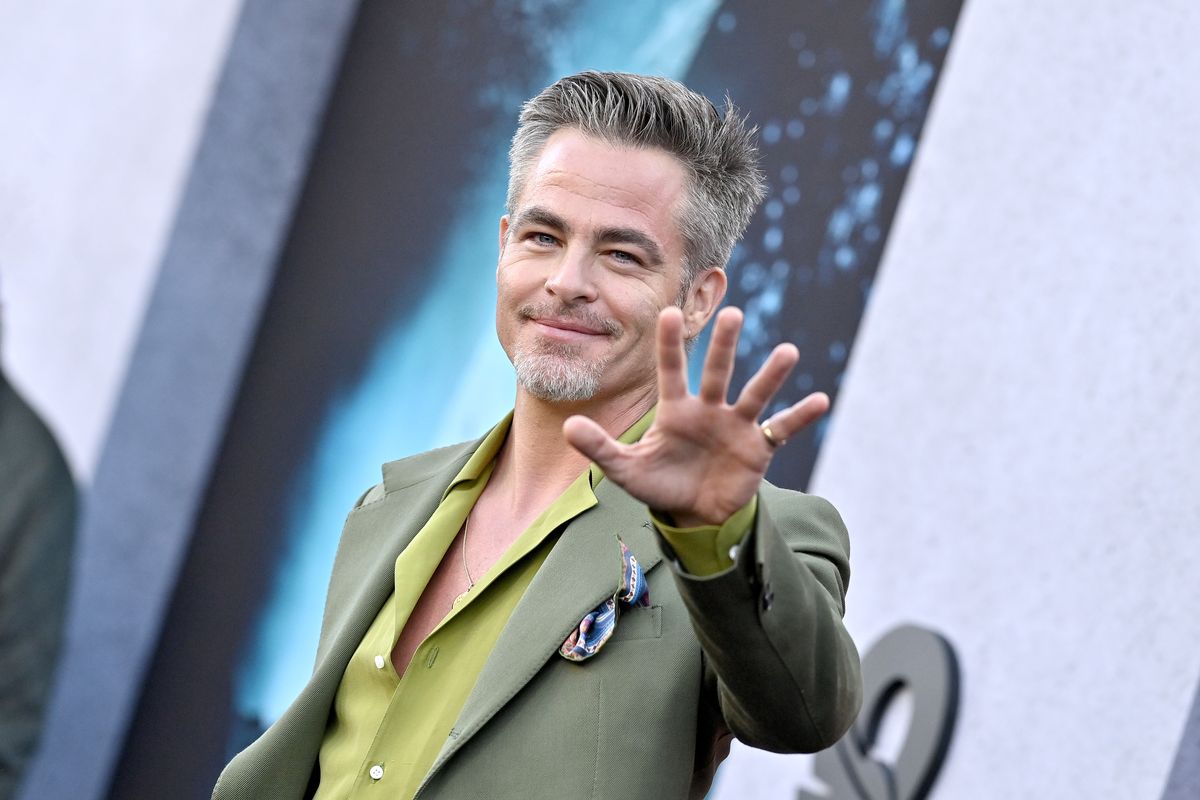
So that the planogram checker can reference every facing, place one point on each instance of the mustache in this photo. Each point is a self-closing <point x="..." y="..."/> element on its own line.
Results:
<point x="586" y="317"/>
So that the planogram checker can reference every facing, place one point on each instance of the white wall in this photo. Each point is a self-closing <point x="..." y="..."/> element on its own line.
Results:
<point x="1015" y="448"/>
<point x="103" y="104"/>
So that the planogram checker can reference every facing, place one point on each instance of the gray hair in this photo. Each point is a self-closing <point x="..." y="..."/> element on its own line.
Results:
<point x="717" y="149"/>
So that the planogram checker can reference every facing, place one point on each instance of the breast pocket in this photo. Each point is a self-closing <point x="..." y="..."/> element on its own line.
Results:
<point x="638" y="623"/>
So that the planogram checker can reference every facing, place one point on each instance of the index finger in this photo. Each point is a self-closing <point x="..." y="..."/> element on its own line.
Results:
<point x="672" y="362"/>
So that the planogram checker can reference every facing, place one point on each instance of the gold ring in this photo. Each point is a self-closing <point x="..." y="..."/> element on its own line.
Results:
<point x="770" y="437"/>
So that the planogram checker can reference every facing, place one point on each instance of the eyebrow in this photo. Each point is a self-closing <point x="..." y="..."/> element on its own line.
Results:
<point x="634" y="237"/>
<point x="537" y="215"/>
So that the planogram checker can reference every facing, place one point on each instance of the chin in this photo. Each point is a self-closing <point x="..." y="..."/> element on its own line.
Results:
<point x="559" y="377"/>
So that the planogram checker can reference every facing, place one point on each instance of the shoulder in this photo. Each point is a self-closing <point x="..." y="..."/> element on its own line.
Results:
<point x="31" y="463"/>
<point x="38" y="502"/>
<point x="406" y="472"/>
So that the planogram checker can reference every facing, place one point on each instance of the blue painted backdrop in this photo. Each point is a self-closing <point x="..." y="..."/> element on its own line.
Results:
<point x="839" y="89"/>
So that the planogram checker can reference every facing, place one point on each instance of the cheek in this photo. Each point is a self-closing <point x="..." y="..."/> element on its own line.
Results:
<point x="517" y="279"/>
<point x="508" y="298"/>
<point x="641" y="306"/>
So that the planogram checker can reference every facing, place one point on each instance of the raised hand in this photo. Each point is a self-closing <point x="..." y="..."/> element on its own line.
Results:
<point x="703" y="458"/>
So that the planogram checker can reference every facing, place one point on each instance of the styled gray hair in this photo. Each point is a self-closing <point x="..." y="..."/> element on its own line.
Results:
<point x="717" y="149"/>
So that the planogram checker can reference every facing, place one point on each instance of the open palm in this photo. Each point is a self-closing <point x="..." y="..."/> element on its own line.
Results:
<point x="703" y="458"/>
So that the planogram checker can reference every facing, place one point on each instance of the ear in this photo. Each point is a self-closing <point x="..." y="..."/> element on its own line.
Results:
<point x="503" y="234"/>
<point x="503" y="241"/>
<point x="703" y="299"/>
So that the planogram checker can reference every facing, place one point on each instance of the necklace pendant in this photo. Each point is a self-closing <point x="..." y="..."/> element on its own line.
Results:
<point x="462" y="598"/>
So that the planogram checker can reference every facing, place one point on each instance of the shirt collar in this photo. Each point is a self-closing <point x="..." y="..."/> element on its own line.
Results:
<point x="480" y="462"/>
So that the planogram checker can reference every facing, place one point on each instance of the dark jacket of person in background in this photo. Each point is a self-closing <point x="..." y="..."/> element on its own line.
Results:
<point x="37" y="532"/>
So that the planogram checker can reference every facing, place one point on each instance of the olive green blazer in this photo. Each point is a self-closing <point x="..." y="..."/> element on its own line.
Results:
<point x="758" y="650"/>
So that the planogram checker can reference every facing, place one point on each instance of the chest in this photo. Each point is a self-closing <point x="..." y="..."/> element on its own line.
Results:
<point x="480" y="543"/>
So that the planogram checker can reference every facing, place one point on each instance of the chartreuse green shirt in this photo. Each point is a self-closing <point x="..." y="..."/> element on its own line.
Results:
<point x="385" y="730"/>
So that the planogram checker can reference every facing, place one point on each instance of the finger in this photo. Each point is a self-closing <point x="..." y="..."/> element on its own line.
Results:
<point x="586" y="436"/>
<point x="672" y="362"/>
<point x="790" y="421"/>
<point x="763" y="385"/>
<point x="722" y="351"/>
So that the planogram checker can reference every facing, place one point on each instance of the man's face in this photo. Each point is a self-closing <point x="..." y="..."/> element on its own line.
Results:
<point x="591" y="255"/>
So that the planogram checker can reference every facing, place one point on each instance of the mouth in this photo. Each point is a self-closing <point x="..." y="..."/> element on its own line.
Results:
<point x="567" y="330"/>
<point x="566" y="325"/>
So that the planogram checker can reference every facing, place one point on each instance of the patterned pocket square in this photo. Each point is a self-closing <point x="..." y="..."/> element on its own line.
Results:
<point x="597" y="627"/>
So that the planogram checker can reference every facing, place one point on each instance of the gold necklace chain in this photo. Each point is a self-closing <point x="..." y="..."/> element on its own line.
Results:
<point x="458" y="601"/>
<point x="467" y="569"/>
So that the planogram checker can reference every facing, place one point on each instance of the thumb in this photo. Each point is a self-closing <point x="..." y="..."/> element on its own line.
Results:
<point x="586" y="436"/>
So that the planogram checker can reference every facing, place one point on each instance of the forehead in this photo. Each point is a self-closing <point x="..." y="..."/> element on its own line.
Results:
<point x="590" y="180"/>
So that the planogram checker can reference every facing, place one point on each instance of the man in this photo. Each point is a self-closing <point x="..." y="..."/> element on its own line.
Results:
<point x="591" y="599"/>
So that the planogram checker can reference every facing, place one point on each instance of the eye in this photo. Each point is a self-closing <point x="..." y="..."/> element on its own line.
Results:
<point x="542" y="239"/>
<point x="624" y="257"/>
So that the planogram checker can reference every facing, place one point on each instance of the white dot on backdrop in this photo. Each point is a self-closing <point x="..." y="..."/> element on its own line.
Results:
<point x="902" y="149"/>
<point x="773" y="238"/>
<point x="769" y="301"/>
<point x="844" y="257"/>
<point x="752" y="277"/>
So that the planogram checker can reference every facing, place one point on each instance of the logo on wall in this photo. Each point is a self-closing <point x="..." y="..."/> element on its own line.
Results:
<point x="922" y="662"/>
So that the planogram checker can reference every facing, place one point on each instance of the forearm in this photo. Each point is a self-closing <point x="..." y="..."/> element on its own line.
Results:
<point x="787" y="672"/>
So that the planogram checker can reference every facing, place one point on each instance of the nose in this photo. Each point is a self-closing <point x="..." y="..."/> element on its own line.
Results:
<point x="571" y="278"/>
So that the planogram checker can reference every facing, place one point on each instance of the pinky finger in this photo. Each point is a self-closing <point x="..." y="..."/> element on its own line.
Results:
<point x="792" y="420"/>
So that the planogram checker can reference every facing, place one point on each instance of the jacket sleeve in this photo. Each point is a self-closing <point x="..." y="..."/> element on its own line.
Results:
<point x="783" y="667"/>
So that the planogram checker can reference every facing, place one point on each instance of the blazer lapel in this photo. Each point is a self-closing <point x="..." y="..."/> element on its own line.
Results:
<point x="581" y="571"/>
<point x="361" y="582"/>
<point x="375" y="534"/>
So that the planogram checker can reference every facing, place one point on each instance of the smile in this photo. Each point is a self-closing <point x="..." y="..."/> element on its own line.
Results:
<point x="566" y="330"/>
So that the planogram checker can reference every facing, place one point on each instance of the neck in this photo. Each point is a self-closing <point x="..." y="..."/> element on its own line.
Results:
<point x="536" y="464"/>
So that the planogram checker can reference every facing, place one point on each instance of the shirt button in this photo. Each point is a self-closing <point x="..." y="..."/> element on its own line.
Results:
<point x="376" y="772"/>
<point x="733" y="551"/>
<point x="379" y="662"/>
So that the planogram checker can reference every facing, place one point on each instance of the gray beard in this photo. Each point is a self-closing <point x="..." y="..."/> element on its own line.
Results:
<point x="559" y="374"/>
